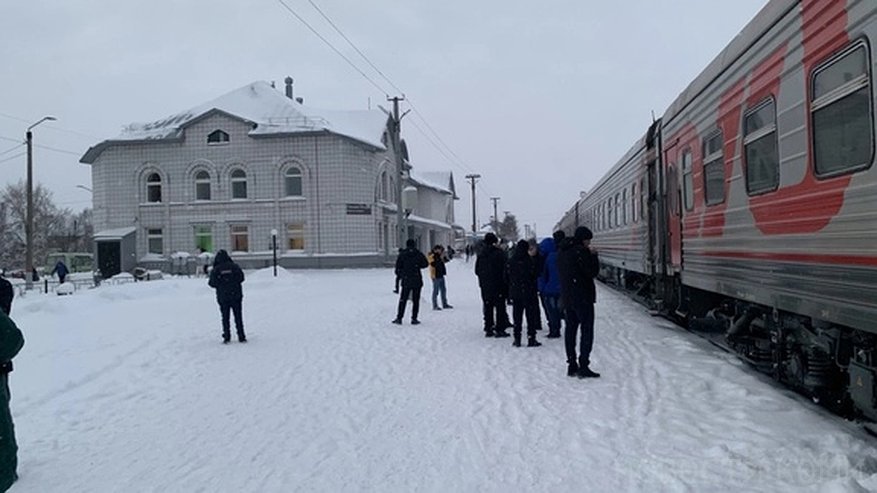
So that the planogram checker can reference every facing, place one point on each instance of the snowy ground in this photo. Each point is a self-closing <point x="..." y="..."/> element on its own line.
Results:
<point x="127" y="388"/>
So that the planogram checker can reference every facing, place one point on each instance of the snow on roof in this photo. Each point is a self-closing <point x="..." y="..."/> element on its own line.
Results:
<point x="443" y="181"/>
<point x="114" y="234"/>
<point x="270" y="111"/>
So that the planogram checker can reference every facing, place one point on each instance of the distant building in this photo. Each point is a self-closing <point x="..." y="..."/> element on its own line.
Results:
<point x="225" y="174"/>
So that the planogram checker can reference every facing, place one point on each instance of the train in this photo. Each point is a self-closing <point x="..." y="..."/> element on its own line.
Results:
<point x="748" y="210"/>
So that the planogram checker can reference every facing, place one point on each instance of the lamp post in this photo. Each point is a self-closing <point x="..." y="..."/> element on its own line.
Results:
<point x="274" y="247"/>
<point x="28" y="228"/>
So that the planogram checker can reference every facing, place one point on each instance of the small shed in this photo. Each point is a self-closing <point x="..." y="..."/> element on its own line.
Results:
<point x="115" y="251"/>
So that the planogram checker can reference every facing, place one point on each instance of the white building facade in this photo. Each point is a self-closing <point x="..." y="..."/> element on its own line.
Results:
<point x="232" y="172"/>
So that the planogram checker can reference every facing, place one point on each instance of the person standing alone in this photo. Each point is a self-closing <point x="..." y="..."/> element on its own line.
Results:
<point x="408" y="265"/>
<point x="578" y="265"/>
<point x="11" y="342"/>
<point x="226" y="277"/>
<point x="438" y="271"/>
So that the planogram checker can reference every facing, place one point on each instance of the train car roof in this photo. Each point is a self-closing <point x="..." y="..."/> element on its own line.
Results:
<point x="769" y="15"/>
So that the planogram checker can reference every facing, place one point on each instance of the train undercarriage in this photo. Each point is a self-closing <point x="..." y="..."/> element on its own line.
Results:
<point x="835" y="366"/>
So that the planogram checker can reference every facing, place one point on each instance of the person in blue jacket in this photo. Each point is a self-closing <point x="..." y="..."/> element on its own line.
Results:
<point x="62" y="271"/>
<point x="549" y="284"/>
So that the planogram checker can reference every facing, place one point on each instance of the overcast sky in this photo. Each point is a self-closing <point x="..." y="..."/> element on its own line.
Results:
<point x="540" y="98"/>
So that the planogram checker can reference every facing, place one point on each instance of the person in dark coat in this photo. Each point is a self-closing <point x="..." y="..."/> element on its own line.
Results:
<point x="549" y="283"/>
<point x="408" y="265"/>
<point x="62" y="271"/>
<point x="578" y="265"/>
<point x="7" y="293"/>
<point x="11" y="342"/>
<point x="490" y="269"/>
<point x="226" y="277"/>
<point x="521" y="272"/>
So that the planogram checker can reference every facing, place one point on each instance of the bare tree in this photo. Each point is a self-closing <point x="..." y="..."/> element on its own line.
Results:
<point x="508" y="228"/>
<point x="48" y="221"/>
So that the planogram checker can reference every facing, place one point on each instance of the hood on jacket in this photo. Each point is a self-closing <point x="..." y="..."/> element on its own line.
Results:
<point x="521" y="249"/>
<point x="221" y="258"/>
<point x="547" y="246"/>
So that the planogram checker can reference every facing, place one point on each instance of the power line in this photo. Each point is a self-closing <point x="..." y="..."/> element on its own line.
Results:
<point x="10" y="158"/>
<point x="330" y="45"/>
<point x="11" y="149"/>
<point x="10" y="139"/>
<point x="73" y="153"/>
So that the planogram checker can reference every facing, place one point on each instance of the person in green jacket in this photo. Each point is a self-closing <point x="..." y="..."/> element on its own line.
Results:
<point x="11" y="342"/>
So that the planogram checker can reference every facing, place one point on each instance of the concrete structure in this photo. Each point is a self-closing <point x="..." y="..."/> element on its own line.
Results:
<point x="224" y="174"/>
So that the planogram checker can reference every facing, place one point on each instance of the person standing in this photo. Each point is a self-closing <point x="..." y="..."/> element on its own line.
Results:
<point x="578" y="265"/>
<point x="408" y="265"/>
<point x="438" y="271"/>
<point x="11" y="342"/>
<point x="7" y="293"/>
<point x="490" y="269"/>
<point x="521" y="271"/>
<point x="549" y="283"/>
<point x="227" y="277"/>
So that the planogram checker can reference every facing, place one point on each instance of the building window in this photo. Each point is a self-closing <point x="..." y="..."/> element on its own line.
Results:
<point x="204" y="238"/>
<point x="154" y="241"/>
<point x="760" y="148"/>
<point x="238" y="184"/>
<point x="687" y="181"/>
<point x="240" y="238"/>
<point x="217" y="137"/>
<point x="295" y="236"/>
<point x="714" y="169"/>
<point x="202" y="185"/>
<point x="153" y="188"/>
<point x="292" y="182"/>
<point x="385" y="193"/>
<point x="843" y="129"/>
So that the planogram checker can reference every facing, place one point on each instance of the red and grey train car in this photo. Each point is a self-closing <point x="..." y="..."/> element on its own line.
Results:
<point x="750" y="206"/>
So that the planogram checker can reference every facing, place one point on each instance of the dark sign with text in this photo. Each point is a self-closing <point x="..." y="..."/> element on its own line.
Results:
<point x="359" y="210"/>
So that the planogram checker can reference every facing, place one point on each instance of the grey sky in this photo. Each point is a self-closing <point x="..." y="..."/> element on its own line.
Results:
<point x="539" y="98"/>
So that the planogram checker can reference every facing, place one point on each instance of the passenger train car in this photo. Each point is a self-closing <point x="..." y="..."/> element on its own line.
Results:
<point x="750" y="206"/>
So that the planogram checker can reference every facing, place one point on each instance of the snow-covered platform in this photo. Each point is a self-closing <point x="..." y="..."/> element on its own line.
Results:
<point x="127" y="388"/>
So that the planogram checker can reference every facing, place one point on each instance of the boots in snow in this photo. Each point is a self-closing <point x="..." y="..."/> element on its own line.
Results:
<point x="532" y="342"/>
<point x="517" y="342"/>
<point x="572" y="370"/>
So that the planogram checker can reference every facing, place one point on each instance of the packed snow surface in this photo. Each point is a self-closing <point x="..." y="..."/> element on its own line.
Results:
<point x="128" y="388"/>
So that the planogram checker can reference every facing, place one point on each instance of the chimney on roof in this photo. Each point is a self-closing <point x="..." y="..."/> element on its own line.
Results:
<point x="288" y="87"/>
<point x="300" y="100"/>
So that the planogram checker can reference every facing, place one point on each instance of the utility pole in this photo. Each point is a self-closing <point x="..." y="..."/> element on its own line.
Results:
<point x="495" y="217"/>
<point x="472" y="179"/>
<point x="395" y="134"/>
<point x="28" y="227"/>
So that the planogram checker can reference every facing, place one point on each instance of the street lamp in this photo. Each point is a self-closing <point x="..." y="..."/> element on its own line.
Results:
<point x="274" y="247"/>
<point x="84" y="188"/>
<point x="28" y="229"/>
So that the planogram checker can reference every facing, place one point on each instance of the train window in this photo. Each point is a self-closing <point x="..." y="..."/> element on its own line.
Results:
<point x="617" y="206"/>
<point x="843" y="128"/>
<point x="762" y="159"/>
<point x="633" y="203"/>
<point x="687" y="180"/>
<point x="714" y="169"/>
<point x="624" y="207"/>
<point x="609" y="214"/>
<point x="642" y="198"/>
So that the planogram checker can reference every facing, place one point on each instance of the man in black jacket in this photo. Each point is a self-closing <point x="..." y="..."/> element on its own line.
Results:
<point x="226" y="277"/>
<point x="490" y="269"/>
<point x="11" y="342"/>
<point x="408" y="265"/>
<point x="578" y="265"/>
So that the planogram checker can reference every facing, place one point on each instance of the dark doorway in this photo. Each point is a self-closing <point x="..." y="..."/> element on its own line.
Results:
<point x="109" y="258"/>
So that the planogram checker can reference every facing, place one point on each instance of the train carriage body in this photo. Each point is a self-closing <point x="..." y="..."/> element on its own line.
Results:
<point x="751" y="205"/>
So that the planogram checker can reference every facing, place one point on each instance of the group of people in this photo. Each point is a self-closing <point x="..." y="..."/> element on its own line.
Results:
<point x="559" y="272"/>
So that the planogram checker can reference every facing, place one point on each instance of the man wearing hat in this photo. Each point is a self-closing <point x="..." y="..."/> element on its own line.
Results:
<point x="408" y="265"/>
<point x="578" y="265"/>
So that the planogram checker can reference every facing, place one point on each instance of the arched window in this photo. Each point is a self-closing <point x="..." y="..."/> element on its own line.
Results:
<point x="153" y="188"/>
<point x="238" y="184"/>
<point x="202" y="185"/>
<point x="217" y="137"/>
<point x="385" y="192"/>
<point x="292" y="182"/>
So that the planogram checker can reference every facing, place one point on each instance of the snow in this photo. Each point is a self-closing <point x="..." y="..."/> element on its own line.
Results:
<point x="127" y="388"/>
<point x="65" y="288"/>
<point x="273" y="113"/>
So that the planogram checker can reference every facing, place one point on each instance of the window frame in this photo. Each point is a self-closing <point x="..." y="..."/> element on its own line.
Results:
<point x="151" y="235"/>
<point x="199" y="233"/>
<point x="757" y="135"/>
<point x="688" y="179"/>
<point x="287" y="175"/>
<point x="200" y="182"/>
<point x="233" y="180"/>
<point x="290" y="228"/>
<point x="233" y="233"/>
<point x="159" y="184"/>
<point x="224" y="138"/>
<point x="711" y="159"/>
<point x="836" y="95"/>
